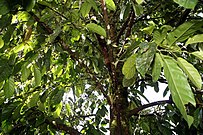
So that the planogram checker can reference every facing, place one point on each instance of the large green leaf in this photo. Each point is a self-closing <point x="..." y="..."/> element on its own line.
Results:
<point x="85" y="9"/>
<point x="182" y="33"/>
<point x="191" y="71"/>
<point x="9" y="87"/>
<point x="179" y="87"/>
<point x="97" y="29"/>
<point x="190" y="4"/>
<point x="145" y="57"/>
<point x="198" y="54"/>
<point x="158" y="64"/>
<point x="195" y="39"/>
<point x="110" y="4"/>
<point x="129" y="68"/>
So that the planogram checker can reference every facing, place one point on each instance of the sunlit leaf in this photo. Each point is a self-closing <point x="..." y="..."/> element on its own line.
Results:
<point x="1" y="42"/>
<point x="97" y="29"/>
<point x="9" y="87"/>
<point x="183" y="32"/>
<point x="198" y="54"/>
<point x="150" y="28"/>
<point x="191" y="71"/>
<point x="37" y="75"/>
<point x="110" y="4"/>
<point x="129" y="68"/>
<point x="179" y="87"/>
<point x="56" y="114"/>
<point x="19" y="48"/>
<point x="137" y="9"/>
<point x="139" y="1"/>
<point x="195" y="39"/>
<point x="190" y="4"/>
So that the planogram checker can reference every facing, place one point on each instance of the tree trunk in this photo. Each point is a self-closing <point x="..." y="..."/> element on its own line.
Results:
<point x="119" y="122"/>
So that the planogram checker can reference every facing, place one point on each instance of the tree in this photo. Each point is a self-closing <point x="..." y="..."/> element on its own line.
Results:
<point x="104" y="53"/>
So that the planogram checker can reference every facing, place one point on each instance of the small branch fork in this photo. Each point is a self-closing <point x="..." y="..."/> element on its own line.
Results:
<point x="137" y="110"/>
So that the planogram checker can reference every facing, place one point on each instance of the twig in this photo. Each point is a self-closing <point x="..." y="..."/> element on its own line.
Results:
<point x="137" y="110"/>
<point x="63" y="127"/>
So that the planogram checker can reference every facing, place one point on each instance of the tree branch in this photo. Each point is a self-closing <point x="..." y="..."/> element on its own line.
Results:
<point x="137" y="110"/>
<point x="62" y="127"/>
<point x="123" y="27"/>
<point x="106" y="20"/>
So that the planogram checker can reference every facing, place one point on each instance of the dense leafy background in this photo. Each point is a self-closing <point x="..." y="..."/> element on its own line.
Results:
<point x="70" y="66"/>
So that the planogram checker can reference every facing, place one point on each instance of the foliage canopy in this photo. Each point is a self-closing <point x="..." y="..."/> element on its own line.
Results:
<point x="82" y="66"/>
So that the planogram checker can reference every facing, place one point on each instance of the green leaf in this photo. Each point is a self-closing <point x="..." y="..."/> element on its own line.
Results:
<point x="18" y="48"/>
<point x="93" y="4"/>
<point x="56" y="114"/>
<point x="160" y="34"/>
<point x="145" y="57"/>
<point x="128" y="82"/>
<point x="179" y="87"/>
<point x="25" y="73"/>
<point x="56" y="96"/>
<point x="8" y="109"/>
<point x="28" y="4"/>
<point x="9" y="87"/>
<point x="138" y="9"/>
<point x="190" y="4"/>
<point x="158" y="64"/>
<point x="181" y="33"/>
<point x="197" y="117"/>
<point x="191" y="71"/>
<point x="5" y="69"/>
<point x="195" y="39"/>
<point x="110" y="4"/>
<point x="4" y="7"/>
<point x="198" y="54"/>
<point x="97" y="29"/>
<point x="149" y="29"/>
<point x="139" y="1"/>
<point x="129" y="68"/>
<point x="37" y="75"/>
<point x="1" y="42"/>
<point x="34" y="99"/>
<point x="85" y="9"/>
